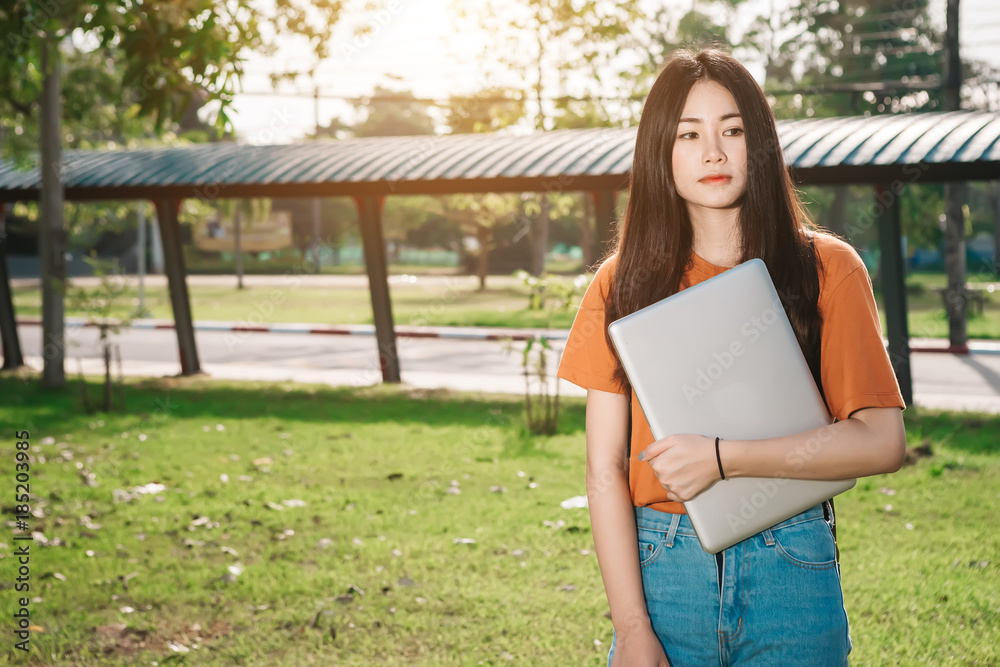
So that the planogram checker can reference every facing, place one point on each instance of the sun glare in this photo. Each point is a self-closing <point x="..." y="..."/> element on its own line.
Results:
<point x="415" y="41"/>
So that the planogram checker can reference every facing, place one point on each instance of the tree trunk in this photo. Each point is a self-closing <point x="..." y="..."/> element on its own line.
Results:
<point x="541" y="236"/>
<point x="316" y="234"/>
<point x="834" y="218"/>
<point x="484" y="235"/>
<point x="141" y="259"/>
<point x="237" y="246"/>
<point x="157" y="246"/>
<point x="587" y="226"/>
<point x="52" y="233"/>
<point x="106" y="345"/>
<point x="333" y="232"/>
<point x="955" y="196"/>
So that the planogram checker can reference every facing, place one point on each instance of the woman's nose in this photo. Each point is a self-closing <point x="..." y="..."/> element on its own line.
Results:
<point x="713" y="153"/>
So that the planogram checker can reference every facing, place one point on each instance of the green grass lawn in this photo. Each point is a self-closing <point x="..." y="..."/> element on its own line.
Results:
<point x="376" y="567"/>
<point x="927" y="317"/>
<point x="502" y="304"/>
<point x="440" y="305"/>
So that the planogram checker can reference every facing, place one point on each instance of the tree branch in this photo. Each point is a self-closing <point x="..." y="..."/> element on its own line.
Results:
<point x="21" y="107"/>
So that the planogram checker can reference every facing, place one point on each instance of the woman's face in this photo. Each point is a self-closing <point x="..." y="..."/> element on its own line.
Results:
<point x="710" y="151"/>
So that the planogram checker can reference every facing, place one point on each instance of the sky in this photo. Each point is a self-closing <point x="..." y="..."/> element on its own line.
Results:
<point x="417" y="42"/>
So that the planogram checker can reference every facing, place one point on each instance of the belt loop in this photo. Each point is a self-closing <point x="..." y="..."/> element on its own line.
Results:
<point x="828" y="515"/>
<point x="768" y="537"/>
<point x="674" y="523"/>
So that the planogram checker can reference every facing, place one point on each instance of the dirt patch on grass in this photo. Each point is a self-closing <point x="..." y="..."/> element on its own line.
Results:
<point x="124" y="641"/>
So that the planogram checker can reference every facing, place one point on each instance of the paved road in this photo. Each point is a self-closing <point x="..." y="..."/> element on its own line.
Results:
<point x="946" y="381"/>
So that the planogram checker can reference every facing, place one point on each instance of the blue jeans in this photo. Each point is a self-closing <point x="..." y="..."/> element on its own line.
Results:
<point x="774" y="598"/>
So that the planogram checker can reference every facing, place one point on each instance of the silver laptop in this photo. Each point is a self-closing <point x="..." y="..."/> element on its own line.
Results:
<point x="721" y="359"/>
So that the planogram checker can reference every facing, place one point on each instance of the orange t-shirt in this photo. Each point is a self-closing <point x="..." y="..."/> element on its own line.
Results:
<point x="855" y="367"/>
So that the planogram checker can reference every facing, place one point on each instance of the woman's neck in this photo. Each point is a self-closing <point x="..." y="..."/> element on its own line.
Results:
<point x="716" y="234"/>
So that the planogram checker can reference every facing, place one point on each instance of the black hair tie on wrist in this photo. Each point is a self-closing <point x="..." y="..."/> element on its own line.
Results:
<point x="719" y="458"/>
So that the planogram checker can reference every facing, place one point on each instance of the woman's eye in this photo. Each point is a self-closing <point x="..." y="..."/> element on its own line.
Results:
<point x="734" y="131"/>
<point x="688" y="135"/>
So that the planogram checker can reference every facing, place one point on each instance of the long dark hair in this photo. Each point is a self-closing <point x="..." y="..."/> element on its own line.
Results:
<point x="653" y="245"/>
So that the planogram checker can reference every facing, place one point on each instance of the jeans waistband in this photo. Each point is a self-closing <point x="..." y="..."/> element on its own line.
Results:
<point x="652" y="519"/>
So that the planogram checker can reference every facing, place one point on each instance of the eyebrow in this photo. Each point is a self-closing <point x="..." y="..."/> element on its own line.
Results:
<point x="698" y="120"/>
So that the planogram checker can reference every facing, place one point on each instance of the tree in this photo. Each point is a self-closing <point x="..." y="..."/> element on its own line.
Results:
<point x="394" y="113"/>
<point x="248" y="211"/>
<point x="95" y="116"/>
<point x="490" y="109"/>
<point x="549" y="52"/>
<point x="580" y="114"/>
<point x="98" y="303"/>
<point x="172" y="52"/>
<point x="480" y="214"/>
<point x="335" y="213"/>
<point x="850" y="58"/>
<point x="536" y="47"/>
<point x="404" y="214"/>
<point x="650" y="38"/>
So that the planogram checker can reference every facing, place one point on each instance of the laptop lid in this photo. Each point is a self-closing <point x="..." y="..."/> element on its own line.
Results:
<point x="721" y="359"/>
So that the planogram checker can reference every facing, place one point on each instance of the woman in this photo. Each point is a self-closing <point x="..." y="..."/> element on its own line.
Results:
<point x="709" y="190"/>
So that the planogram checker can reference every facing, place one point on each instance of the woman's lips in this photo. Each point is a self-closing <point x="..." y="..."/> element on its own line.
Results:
<point x="715" y="180"/>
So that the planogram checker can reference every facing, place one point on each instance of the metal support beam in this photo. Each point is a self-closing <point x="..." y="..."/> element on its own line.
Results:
<point x="173" y="260"/>
<point x="8" y="324"/>
<point x="370" y="221"/>
<point x="894" y="286"/>
<point x="604" y="222"/>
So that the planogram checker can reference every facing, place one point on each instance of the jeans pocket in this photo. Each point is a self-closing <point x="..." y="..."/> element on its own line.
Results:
<point x="650" y="544"/>
<point x="807" y="544"/>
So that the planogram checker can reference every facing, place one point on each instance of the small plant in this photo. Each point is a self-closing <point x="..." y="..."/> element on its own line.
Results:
<point x="551" y="295"/>
<point x="98" y="303"/>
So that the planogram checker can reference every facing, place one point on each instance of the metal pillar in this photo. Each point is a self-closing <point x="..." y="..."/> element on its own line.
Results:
<point x="173" y="259"/>
<point x="370" y="221"/>
<point x="140" y="310"/>
<point x="604" y="223"/>
<point x="8" y="323"/>
<point x="890" y="240"/>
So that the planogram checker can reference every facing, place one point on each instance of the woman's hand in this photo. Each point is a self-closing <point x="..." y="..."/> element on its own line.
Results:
<point x="639" y="648"/>
<point x="684" y="464"/>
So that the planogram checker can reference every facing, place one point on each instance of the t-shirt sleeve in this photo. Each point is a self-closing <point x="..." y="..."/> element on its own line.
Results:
<point x="587" y="360"/>
<point x="856" y="371"/>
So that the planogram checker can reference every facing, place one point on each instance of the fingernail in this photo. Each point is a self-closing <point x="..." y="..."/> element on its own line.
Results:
<point x="642" y="455"/>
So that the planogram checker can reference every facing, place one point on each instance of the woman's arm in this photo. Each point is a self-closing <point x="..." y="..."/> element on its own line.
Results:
<point x="871" y="441"/>
<point x="612" y="515"/>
